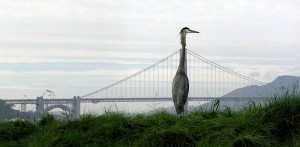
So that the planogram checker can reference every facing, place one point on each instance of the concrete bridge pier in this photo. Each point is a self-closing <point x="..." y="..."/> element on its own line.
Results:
<point x="40" y="104"/>
<point x="75" y="113"/>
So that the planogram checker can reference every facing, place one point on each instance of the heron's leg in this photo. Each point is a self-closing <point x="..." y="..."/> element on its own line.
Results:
<point x="185" y="107"/>
<point x="181" y="115"/>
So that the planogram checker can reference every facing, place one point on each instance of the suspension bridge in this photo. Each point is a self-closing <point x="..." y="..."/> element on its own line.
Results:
<point x="207" y="79"/>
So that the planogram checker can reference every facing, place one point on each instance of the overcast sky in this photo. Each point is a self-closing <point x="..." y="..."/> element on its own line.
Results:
<point x="73" y="47"/>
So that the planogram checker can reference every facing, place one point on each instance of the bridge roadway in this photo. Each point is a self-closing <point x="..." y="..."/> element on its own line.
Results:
<point x="97" y="100"/>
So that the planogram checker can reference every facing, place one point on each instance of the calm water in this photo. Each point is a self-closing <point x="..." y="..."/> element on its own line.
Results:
<point x="126" y="107"/>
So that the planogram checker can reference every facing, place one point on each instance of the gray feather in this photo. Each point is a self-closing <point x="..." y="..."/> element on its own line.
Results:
<point x="180" y="90"/>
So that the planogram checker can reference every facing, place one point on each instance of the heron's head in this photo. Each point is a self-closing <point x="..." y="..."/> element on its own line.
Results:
<point x="186" y="30"/>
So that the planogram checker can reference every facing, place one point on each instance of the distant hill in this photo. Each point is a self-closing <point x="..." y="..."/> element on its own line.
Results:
<point x="7" y="113"/>
<point x="281" y="85"/>
<point x="277" y="87"/>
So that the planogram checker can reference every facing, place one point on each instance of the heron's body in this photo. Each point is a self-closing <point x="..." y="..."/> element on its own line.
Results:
<point x="180" y="90"/>
<point x="180" y="85"/>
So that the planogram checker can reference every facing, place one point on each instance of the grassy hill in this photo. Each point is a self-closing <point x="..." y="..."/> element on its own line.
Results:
<point x="276" y="124"/>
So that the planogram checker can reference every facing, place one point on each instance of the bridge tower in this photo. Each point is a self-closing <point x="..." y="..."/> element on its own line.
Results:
<point x="23" y="108"/>
<point x="40" y="104"/>
<point x="76" y="107"/>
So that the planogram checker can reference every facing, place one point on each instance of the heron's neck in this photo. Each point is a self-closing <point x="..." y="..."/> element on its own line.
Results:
<point x="182" y="59"/>
<point x="183" y="52"/>
<point x="183" y="40"/>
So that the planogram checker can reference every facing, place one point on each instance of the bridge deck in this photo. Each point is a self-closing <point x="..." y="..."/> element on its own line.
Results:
<point x="97" y="100"/>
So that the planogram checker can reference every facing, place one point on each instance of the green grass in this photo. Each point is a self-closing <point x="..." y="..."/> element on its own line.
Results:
<point x="275" y="124"/>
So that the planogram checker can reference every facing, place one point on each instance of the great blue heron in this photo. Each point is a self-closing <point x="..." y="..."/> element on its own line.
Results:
<point x="180" y="85"/>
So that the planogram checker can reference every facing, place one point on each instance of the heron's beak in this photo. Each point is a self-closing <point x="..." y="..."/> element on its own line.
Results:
<point x="192" y="31"/>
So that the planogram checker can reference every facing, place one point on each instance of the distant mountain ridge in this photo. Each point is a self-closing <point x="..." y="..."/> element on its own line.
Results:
<point x="277" y="87"/>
